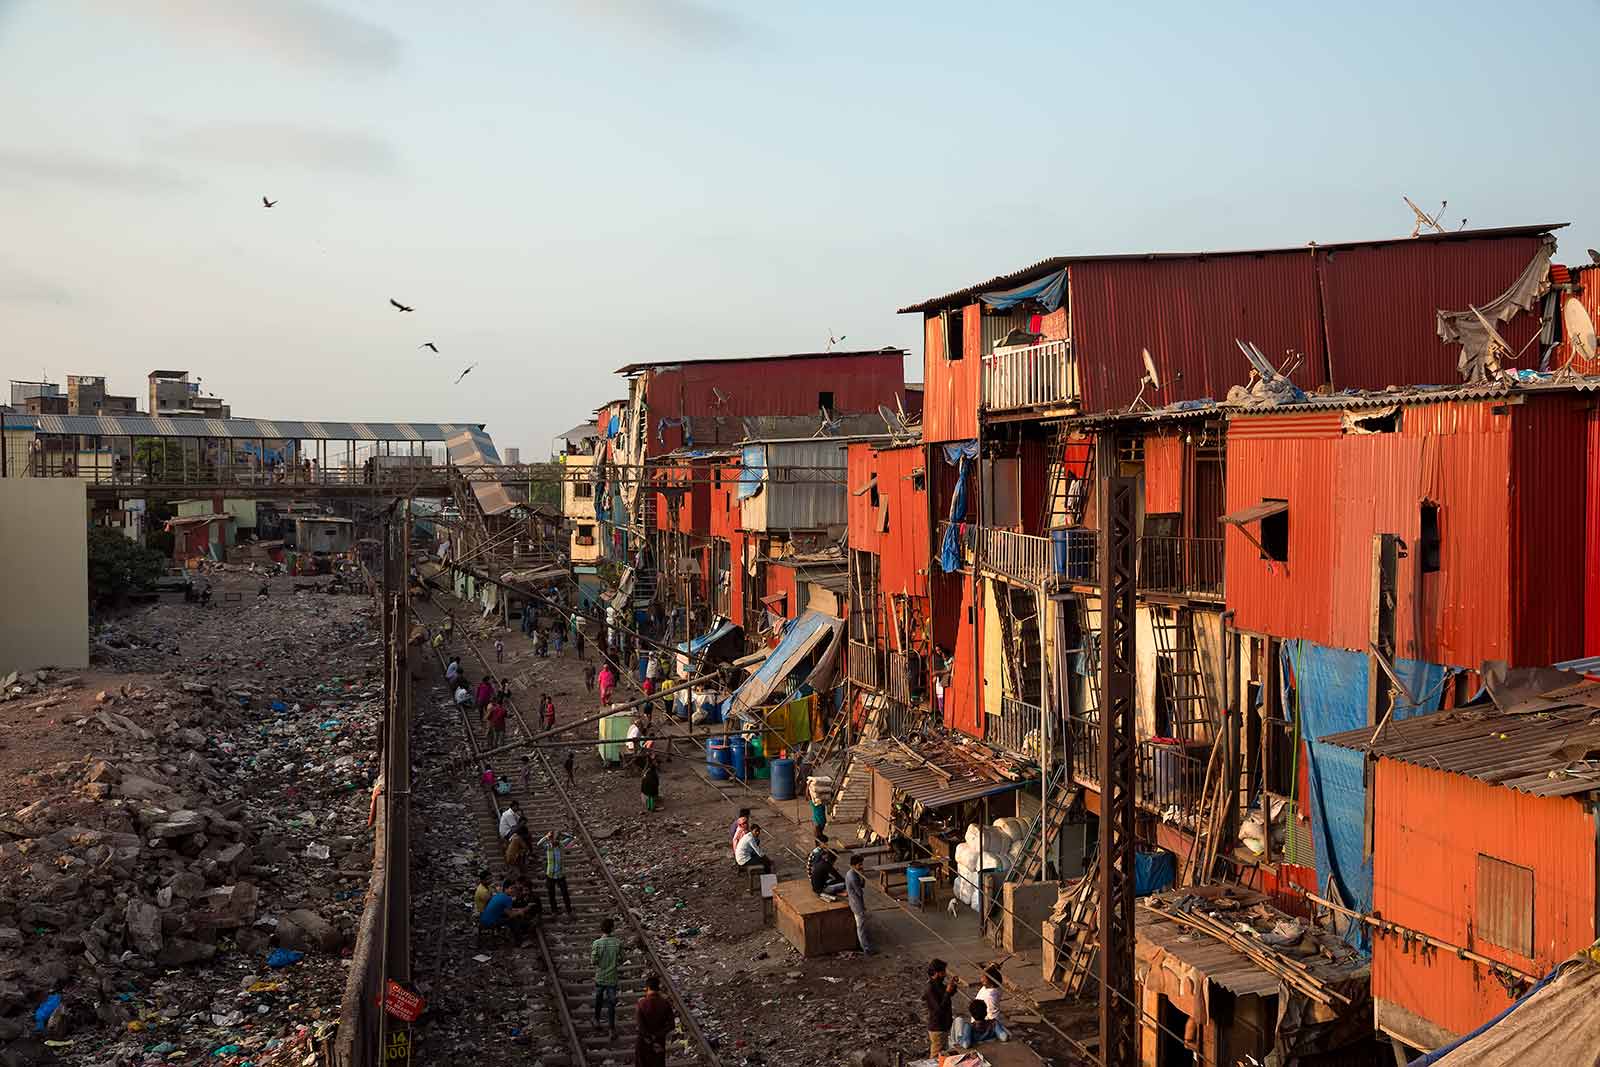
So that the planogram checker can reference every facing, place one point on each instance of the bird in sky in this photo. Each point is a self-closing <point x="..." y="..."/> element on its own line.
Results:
<point x="268" y="203"/>
<point x="399" y="305"/>
<point x="463" y="374"/>
<point x="430" y="345"/>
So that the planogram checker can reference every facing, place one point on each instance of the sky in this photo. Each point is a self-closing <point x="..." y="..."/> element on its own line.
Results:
<point x="563" y="187"/>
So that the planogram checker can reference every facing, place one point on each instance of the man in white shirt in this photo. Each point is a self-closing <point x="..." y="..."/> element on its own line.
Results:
<point x="509" y="820"/>
<point x="748" y="852"/>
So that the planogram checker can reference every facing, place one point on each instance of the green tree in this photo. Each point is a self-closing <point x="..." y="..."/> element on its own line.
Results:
<point x="157" y="456"/>
<point x="119" y="566"/>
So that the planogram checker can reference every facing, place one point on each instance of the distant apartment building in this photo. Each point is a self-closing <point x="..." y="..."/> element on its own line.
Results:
<point x="22" y="392"/>
<point x="86" y="395"/>
<point x="172" y="393"/>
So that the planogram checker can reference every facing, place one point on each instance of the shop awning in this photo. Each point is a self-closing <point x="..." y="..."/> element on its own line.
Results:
<point x="1256" y="512"/>
<point x="811" y="632"/>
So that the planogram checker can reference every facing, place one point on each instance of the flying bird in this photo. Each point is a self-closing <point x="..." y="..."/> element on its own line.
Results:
<point x="463" y="374"/>
<point x="399" y="305"/>
<point x="431" y="345"/>
<point x="268" y="203"/>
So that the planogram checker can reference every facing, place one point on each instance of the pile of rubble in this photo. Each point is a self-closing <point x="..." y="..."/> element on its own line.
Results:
<point x="187" y="888"/>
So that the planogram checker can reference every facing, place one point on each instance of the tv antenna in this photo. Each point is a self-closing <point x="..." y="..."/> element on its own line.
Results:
<point x="1151" y="380"/>
<point x="1426" y="221"/>
<point x="832" y="340"/>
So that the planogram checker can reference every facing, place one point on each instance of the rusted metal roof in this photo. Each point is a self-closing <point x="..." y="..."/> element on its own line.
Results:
<point x="1055" y="263"/>
<point x="1545" y="753"/>
<point x="937" y="774"/>
<point x="252" y="429"/>
<point x="635" y="368"/>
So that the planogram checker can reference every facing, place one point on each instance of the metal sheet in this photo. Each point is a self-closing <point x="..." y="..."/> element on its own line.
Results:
<point x="1381" y="302"/>
<point x="1549" y="480"/>
<point x="802" y="487"/>
<point x="1429" y="829"/>
<point x="167" y="426"/>
<point x="1163" y="474"/>
<point x="951" y="388"/>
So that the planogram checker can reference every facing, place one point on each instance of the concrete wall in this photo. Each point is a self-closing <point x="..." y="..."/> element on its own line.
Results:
<point x="44" y="565"/>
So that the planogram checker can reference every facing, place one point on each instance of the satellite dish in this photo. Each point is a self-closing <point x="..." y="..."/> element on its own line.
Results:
<point x="1151" y="380"/>
<point x="891" y="419"/>
<point x="1580" y="330"/>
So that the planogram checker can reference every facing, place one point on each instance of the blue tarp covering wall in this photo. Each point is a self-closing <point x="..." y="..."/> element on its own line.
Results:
<point x="1331" y="697"/>
<point x="753" y="460"/>
<point x="1048" y="291"/>
<point x="959" y="456"/>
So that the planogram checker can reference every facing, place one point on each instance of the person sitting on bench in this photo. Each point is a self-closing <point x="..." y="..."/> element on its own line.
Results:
<point x="825" y="880"/>
<point x="749" y="853"/>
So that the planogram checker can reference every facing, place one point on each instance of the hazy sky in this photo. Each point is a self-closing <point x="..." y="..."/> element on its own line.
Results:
<point x="564" y="187"/>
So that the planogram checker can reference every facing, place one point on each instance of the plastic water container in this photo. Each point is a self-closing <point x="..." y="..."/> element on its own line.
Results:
<point x="782" y="779"/>
<point x="717" y="758"/>
<point x="738" y="752"/>
<point x="914" y="877"/>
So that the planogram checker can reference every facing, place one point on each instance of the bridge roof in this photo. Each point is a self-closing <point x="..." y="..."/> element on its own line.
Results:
<point x="165" y="426"/>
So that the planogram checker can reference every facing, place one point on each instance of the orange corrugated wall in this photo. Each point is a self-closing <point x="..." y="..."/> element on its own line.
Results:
<point x="950" y="390"/>
<point x="962" y="710"/>
<point x="1163" y="474"/>
<point x="1429" y="828"/>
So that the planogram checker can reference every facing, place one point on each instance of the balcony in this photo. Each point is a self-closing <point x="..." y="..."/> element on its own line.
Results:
<point x="1170" y="777"/>
<point x="1025" y="377"/>
<point x="1016" y="729"/>
<point x="1182" y="566"/>
<point x="864" y="666"/>
<point x="1067" y="554"/>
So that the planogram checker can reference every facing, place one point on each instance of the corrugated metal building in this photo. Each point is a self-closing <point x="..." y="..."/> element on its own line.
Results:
<point x="1484" y="838"/>
<point x="1361" y="315"/>
<point x="715" y="395"/>
<point x="1489" y="493"/>
<point x="793" y="485"/>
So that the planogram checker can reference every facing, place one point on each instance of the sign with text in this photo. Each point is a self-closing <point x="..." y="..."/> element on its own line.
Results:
<point x="401" y="1002"/>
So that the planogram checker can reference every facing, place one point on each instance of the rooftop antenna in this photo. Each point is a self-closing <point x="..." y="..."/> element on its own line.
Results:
<point x="1426" y="221"/>
<point x="1257" y="359"/>
<point x="1581" y="341"/>
<point x="1150" y="379"/>
<point x="832" y="340"/>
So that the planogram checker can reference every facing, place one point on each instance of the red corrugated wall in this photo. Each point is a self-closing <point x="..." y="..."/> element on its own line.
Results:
<point x="1430" y="827"/>
<point x="962" y="709"/>
<point x="950" y="390"/>
<point x="1188" y="313"/>
<point x="1490" y="468"/>
<point x="736" y="549"/>
<point x="1163" y="474"/>
<point x="1549" y="494"/>
<point x="1588" y="297"/>
<point x="1380" y="304"/>
<point x="1591" y="548"/>
<point x="781" y="579"/>
<point x="859" y="383"/>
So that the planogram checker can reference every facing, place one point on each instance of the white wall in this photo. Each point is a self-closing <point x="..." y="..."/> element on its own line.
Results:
<point x="44" y="574"/>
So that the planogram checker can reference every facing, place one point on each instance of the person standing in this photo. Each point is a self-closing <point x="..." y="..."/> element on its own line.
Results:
<point x="555" y="843"/>
<point x="650" y="784"/>
<point x="485" y="693"/>
<point x="499" y="650"/>
<point x="656" y="1021"/>
<point x="569" y="761"/>
<point x="555" y="639"/>
<point x="605" y="953"/>
<point x="496" y="718"/>
<point x="588" y="677"/>
<point x="549" y="712"/>
<point x="855" y="890"/>
<point x="579" y="642"/>
<point x="941" y="987"/>
<point x="608" y="682"/>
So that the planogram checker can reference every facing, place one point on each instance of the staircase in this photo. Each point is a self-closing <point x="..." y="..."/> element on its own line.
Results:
<point x="1189" y="707"/>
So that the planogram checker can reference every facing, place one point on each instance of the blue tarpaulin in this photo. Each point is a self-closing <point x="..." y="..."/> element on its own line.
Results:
<point x="1153" y="871"/>
<point x="716" y="633"/>
<point x="1048" y="291"/>
<point x="799" y="637"/>
<point x="960" y="456"/>
<point x="611" y="427"/>
<point x="753" y="458"/>
<point x="1330" y="687"/>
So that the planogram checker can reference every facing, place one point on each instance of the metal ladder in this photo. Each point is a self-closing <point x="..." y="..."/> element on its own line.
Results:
<point x="1190" y="707"/>
<point x="1033" y="845"/>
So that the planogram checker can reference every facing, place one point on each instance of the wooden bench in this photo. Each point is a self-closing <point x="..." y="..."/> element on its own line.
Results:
<point x="812" y="925"/>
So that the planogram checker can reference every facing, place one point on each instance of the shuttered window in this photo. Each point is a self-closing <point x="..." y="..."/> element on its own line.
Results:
<point x="1504" y="914"/>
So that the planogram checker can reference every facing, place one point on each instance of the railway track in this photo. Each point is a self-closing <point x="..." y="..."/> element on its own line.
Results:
<point x="562" y="943"/>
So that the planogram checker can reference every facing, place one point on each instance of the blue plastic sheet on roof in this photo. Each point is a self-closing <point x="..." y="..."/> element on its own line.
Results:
<point x="753" y="458"/>
<point x="1330" y="686"/>
<point x="960" y="456"/>
<point x="767" y="678"/>
<point x="1047" y="291"/>
<point x="709" y="637"/>
<point x="611" y="427"/>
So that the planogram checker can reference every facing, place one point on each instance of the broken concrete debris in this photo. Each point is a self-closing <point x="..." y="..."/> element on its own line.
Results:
<point x="144" y="886"/>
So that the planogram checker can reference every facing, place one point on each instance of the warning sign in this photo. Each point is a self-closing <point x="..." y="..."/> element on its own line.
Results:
<point x="401" y="1002"/>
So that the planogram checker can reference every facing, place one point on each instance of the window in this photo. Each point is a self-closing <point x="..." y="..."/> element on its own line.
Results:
<point x="872" y="495"/>
<point x="585" y="534"/>
<point x="952" y="326"/>
<point x="1275" y="537"/>
<point x="716" y="477"/>
<point x="825" y="400"/>
<point x="1504" y="914"/>
<point x="1428" y="538"/>
<point x="582" y="490"/>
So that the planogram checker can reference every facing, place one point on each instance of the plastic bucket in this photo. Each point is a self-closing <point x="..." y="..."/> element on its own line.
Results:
<point x="717" y="758"/>
<point x="782" y="779"/>
<point x="737" y="752"/>
<point x="914" y="877"/>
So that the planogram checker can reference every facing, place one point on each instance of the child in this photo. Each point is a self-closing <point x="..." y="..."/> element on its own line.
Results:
<point x="499" y="650"/>
<point x="481" y="895"/>
<point x="650" y="785"/>
<point x="488" y="777"/>
<point x="983" y="1027"/>
<point x="568" y="762"/>
<point x="496" y="718"/>
<point x="549" y="713"/>
<point x="588" y="677"/>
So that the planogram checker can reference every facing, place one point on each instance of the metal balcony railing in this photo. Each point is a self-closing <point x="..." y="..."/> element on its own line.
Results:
<point x="904" y="681"/>
<point x="1016" y="729"/>
<point x="1020" y="557"/>
<point x="864" y="665"/>
<point x="1170" y="777"/>
<point x="1030" y="376"/>
<point x="1190" y="566"/>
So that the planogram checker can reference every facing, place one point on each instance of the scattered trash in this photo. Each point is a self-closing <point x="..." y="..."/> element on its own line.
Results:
<point x="284" y="957"/>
